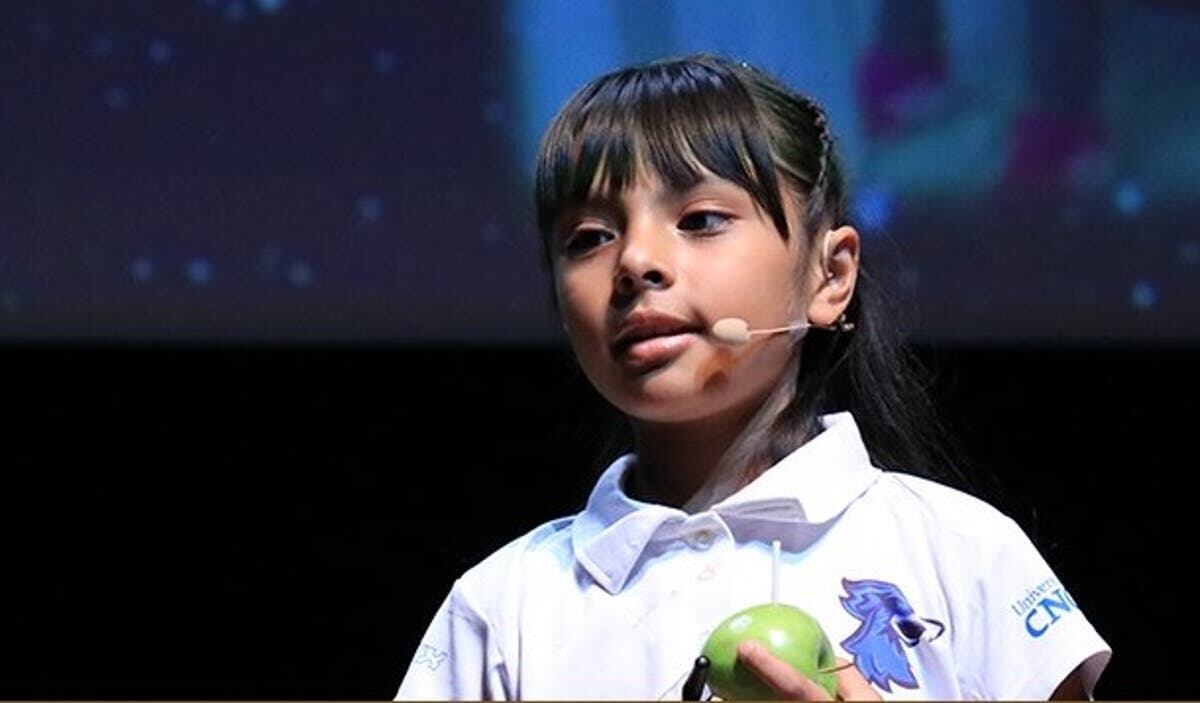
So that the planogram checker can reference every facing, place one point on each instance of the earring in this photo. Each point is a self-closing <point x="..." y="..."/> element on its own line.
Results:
<point x="843" y="325"/>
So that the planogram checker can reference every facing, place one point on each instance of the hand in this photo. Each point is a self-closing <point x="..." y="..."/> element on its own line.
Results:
<point x="790" y="684"/>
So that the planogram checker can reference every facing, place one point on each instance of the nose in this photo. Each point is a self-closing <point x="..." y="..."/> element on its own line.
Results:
<point x="645" y="262"/>
<point x="629" y="283"/>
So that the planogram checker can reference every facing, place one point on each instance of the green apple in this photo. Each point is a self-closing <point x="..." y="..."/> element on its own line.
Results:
<point x="786" y="631"/>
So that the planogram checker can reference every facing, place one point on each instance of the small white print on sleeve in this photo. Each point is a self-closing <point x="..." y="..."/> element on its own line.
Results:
<point x="1043" y="605"/>
<point x="431" y="657"/>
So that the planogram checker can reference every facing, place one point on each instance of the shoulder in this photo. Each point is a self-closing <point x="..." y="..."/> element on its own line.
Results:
<point x="476" y="629"/>
<point x="946" y="512"/>
<point x="978" y="552"/>
<point x="1016" y="630"/>
<point x="543" y="552"/>
<point x="909" y="501"/>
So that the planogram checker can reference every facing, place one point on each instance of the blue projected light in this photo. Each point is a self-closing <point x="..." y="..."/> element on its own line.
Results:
<point x="160" y="51"/>
<point x="385" y="61"/>
<point x="270" y="7"/>
<point x="370" y="208"/>
<point x="200" y="272"/>
<point x="873" y="207"/>
<point x="1143" y="296"/>
<point x="300" y="274"/>
<point x="116" y="97"/>
<point x="102" y="46"/>
<point x="142" y="269"/>
<point x="1129" y="199"/>
<point x="234" y="12"/>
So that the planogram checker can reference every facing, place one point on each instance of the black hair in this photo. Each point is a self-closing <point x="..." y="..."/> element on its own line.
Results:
<point x="678" y="117"/>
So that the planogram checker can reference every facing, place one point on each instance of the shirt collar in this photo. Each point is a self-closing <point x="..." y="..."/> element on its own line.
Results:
<point x="813" y="484"/>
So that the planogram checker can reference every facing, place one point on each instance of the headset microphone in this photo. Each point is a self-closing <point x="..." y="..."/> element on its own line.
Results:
<point x="735" y="330"/>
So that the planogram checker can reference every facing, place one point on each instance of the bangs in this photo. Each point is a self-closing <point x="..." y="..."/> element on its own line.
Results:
<point x="672" y="120"/>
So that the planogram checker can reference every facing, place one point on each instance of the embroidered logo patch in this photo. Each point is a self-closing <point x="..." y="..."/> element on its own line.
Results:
<point x="888" y="626"/>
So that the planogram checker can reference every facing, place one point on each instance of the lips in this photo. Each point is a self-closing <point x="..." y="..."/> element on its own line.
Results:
<point x="647" y="337"/>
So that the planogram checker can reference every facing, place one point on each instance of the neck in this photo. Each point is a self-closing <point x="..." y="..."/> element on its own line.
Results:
<point x="696" y="464"/>
<point x="675" y="459"/>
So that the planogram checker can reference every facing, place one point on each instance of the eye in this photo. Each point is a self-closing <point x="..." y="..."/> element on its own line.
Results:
<point x="585" y="239"/>
<point x="704" y="222"/>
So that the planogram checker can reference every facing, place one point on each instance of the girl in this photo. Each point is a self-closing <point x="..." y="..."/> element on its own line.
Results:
<point x="693" y="218"/>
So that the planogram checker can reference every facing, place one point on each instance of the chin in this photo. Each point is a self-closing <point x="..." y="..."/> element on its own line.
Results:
<point x="663" y="403"/>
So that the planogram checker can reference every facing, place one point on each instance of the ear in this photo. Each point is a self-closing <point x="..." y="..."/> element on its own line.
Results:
<point x="834" y="274"/>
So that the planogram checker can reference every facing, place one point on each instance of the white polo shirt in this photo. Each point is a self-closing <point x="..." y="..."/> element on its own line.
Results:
<point x="932" y="593"/>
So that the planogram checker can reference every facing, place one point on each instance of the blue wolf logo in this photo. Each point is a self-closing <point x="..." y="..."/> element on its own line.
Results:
<point x="888" y="626"/>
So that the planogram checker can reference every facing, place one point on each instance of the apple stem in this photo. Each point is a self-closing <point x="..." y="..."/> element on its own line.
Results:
<point x="775" y="547"/>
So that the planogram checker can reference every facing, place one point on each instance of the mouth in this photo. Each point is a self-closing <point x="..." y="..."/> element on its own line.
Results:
<point x="652" y="339"/>
<point x="651" y="353"/>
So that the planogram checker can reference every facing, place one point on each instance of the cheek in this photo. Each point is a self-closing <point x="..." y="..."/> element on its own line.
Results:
<point x="582" y="309"/>
<point x="766" y="290"/>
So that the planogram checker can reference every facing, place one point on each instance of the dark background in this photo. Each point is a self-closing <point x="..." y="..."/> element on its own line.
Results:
<point x="282" y="522"/>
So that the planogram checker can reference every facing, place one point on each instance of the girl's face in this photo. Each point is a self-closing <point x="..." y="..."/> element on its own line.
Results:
<point x="641" y="279"/>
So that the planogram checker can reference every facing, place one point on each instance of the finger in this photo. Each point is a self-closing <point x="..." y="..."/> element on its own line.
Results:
<point x="782" y="677"/>
<point x="852" y="685"/>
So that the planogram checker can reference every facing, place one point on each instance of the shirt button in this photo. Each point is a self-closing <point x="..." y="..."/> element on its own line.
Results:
<point x="702" y="539"/>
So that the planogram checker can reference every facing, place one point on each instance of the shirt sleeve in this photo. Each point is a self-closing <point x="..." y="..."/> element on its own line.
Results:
<point x="458" y="659"/>
<point x="1025" y="633"/>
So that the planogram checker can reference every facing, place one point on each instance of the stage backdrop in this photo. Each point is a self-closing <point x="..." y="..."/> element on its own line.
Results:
<point x="317" y="170"/>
